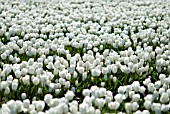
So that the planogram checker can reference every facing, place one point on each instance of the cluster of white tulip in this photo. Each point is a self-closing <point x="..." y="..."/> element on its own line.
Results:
<point x="99" y="97"/>
<point x="84" y="56"/>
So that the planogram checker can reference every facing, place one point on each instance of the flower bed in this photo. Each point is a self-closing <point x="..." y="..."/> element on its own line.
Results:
<point x="84" y="57"/>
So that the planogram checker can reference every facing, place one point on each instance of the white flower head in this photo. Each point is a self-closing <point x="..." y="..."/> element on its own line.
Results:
<point x="157" y="84"/>
<point x="162" y="77"/>
<point x="114" y="105"/>
<point x="26" y="103"/>
<point x="135" y="106"/>
<point x="164" y="107"/>
<point x="164" y="98"/>
<point x="151" y="87"/>
<point x="7" y="90"/>
<point x="35" y="80"/>
<point x="136" y="86"/>
<point x="91" y="110"/>
<point x="121" y="89"/>
<point x="23" y="96"/>
<point x="40" y="105"/>
<point x="73" y="109"/>
<point x="83" y="107"/>
<point x="136" y="97"/>
<point x="97" y="111"/>
<point x="69" y="95"/>
<point x="128" y="107"/>
<point x="100" y="102"/>
<point x="118" y="98"/>
<point x="86" y="92"/>
<point x="95" y="72"/>
<point x="149" y="97"/>
<point x="88" y="100"/>
<point x="26" y="79"/>
<point x="156" y="107"/>
<point x="48" y="98"/>
<point x="14" y="86"/>
<point x="67" y="84"/>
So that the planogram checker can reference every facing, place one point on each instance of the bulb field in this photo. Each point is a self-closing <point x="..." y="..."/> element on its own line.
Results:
<point x="84" y="57"/>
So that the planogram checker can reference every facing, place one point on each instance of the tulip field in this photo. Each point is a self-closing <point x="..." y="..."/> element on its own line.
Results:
<point x="84" y="56"/>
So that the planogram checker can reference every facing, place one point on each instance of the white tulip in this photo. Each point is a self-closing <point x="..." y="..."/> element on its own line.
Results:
<point x="125" y="69"/>
<point x="88" y="100"/>
<point x="35" y="81"/>
<point x="102" y="84"/>
<point x="31" y="69"/>
<point x="157" y="84"/>
<point x="156" y="107"/>
<point x="54" y="102"/>
<point x="75" y="74"/>
<point x="86" y="92"/>
<point x="162" y="77"/>
<point x="19" y="105"/>
<point x="84" y="76"/>
<point x="102" y="92"/>
<point x="121" y="89"/>
<point x="161" y="90"/>
<point x="164" y="108"/>
<point x="41" y="113"/>
<point x="4" y="84"/>
<point x="149" y="97"/>
<point x="14" y="86"/>
<point x="65" y="108"/>
<point x="131" y="93"/>
<point x="3" y="56"/>
<point x="118" y="98"/>
<point x="97" y="111"/>
<point x="48" y="98"/>
<point x="114" y="105"/>
<point x="91" y="110"/>
<point x="39" y="90"/>
<point x="137" y="112"/>
<point x="105" y="70"/>
<point x="105" y="77"/>
<point x="5" y="109"/>
<point x="128" y="107"/>
<point x="136" y="97"/>
<point x="100" y="102"/>
<point x="135" y="106"/>
<point x="151" y="87"/>
<point x="68" y="76"/>
<point x="12" y="105"/>
<point x="164" y="98"/>
<point x="114" y="79"/>
<point x="83" y="108"/>
<point x="62" y="81"/>
<point x="156" y="94"/>
<point x="7" y="90"/>
<point x="18" y="74"/>
<point x="146" y="81"/>
<point x="146" y="112"/>
<point x="57" y="91"/>
<point x="40" y="105"/>
<point x="97" y="93"/>
<point x="26" y="79"/>
<point x="23" y="96"/>
<point x="114" y="68"/>
<point x="73" y="109"/>
<point x="10" y="78"/>
<point x="67" y="84"/>
<point x="69" y="95"/>
<point x="26" y="103"/>
<point x="136" y="86"/>
<point x="95" y="72"/>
